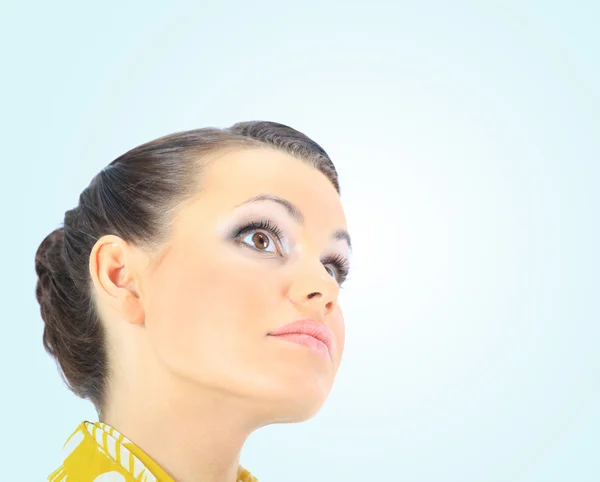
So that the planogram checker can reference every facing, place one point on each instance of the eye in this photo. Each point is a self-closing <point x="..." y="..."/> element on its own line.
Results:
<point x="261" y="235"/>
<point x="338" y="266"/>
<point x="260" y="241"/>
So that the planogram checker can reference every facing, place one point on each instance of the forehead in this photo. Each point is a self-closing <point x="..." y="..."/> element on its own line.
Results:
<point x="237" y="175"/>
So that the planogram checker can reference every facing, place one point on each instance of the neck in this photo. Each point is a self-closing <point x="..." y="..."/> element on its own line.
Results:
<point x="191" y="433"/>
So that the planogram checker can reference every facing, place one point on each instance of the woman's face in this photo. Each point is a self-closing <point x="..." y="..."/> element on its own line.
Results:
<point x="215" y="295"/>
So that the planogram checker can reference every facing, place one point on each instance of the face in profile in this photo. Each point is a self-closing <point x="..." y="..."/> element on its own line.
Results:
<point x="237" y="269"/>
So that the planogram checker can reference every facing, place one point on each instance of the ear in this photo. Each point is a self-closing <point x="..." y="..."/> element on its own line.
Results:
<point x="113" y="269"/>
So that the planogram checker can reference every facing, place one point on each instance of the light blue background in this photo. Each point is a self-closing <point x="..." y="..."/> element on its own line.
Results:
<point x="467" y="137"/>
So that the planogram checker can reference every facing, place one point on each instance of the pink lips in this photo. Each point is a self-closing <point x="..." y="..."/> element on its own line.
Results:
<point x="307" y="332"/>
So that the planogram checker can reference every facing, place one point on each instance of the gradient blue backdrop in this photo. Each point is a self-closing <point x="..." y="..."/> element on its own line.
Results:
<point x="467" y="137"/>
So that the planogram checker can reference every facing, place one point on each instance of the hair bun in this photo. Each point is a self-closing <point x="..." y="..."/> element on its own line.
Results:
<point x="51" y="269"/>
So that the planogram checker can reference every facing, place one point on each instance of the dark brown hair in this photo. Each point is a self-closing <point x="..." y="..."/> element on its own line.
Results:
<point x="135" y="198"/>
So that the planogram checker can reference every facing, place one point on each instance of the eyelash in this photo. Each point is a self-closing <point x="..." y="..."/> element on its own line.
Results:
<point x="340" y="262"/>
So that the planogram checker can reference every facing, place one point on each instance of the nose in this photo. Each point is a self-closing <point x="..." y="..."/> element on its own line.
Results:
<point x="312" y="287"/>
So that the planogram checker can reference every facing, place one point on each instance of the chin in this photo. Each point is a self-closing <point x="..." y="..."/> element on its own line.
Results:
<point x="292" y="413"/>
<point x="298" y="402"/>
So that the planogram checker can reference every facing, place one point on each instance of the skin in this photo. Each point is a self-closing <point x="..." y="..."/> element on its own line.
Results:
<point x="192" y="370"/>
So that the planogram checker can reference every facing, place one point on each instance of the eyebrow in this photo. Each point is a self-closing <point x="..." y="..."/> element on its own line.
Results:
<point x="296" y="214"/>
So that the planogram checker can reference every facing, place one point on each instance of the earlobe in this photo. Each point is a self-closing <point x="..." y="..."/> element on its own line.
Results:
<point x="132" y="308"/>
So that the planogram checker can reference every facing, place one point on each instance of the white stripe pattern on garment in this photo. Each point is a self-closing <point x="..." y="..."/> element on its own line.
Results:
<point x="110" y="477"/>
<point x="138" y="469"/>
<point x="53" y="477"/>
<point x="72" y="443"/>
<point x="100" y="439"/>
<point x="111" y="446"/>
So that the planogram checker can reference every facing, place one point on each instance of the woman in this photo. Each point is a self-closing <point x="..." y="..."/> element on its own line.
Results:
<point x="166" y="292"/>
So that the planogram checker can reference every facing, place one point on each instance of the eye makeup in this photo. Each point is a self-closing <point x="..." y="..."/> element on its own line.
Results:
<point x="259" y="225"/>
<point x="341" y="265"/>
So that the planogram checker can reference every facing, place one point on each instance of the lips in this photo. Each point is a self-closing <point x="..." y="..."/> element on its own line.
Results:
<point x="307" y="327"/>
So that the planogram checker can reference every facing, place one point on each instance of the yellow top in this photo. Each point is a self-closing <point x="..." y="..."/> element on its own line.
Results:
<point x="96" y="452"/>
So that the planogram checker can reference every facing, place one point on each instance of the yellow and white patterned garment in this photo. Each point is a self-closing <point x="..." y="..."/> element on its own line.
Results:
<point x="96" y="452"/>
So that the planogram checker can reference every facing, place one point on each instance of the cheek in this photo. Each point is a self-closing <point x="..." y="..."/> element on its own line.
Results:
<point x="211" y="311"/>
<point x="338" y="329"/>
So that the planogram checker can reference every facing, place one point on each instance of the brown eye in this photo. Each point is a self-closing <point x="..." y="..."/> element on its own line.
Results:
<point x="260" y="235"/>
<point x="260" y="240"/>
